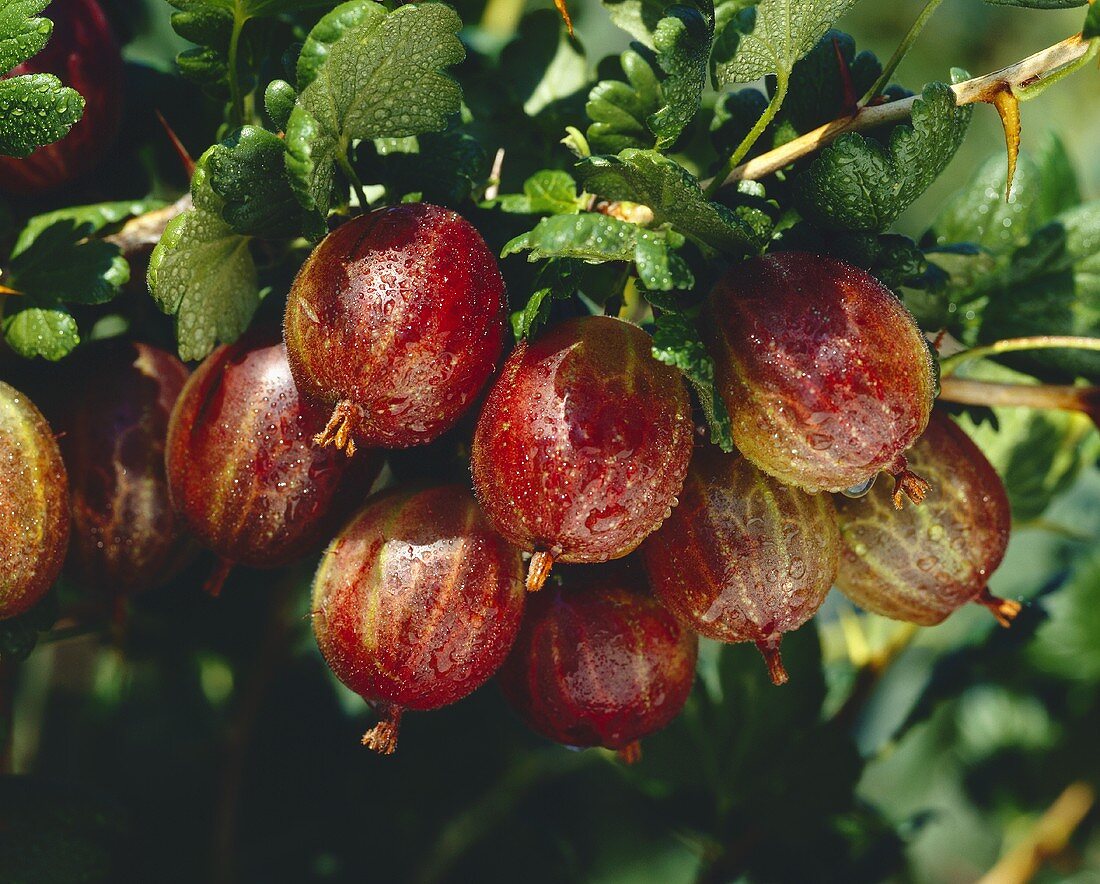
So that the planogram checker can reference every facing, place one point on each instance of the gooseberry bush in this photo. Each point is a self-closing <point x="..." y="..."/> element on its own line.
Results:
<point x="476" y="383"/>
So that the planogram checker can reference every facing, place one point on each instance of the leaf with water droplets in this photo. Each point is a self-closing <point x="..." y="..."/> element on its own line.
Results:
<point x="383" y="78"/>
<point x="35" y="109"/>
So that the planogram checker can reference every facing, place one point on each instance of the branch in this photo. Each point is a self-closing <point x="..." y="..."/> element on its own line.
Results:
<point x="1047" y="839"/>
<point x="1045" y="396"/>
<point x="1028" y="73"/>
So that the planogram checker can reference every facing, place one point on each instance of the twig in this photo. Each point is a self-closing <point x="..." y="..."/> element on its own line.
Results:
<point x="1028" y="73"/>
<point x="1047" y="839"/>
<point x="1018" y="345"/>
<point x="1045" y="396"/>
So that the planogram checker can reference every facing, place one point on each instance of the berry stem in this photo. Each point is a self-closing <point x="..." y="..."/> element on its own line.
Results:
<point x="541" y="563"/>
<point x="1005" y="610"/>
<point x="770" y="649"/>
<point x="631" y="753"/>
<point x="382" y="738"/>
<point x="339" y="429"/>
<point x="216" y="581"/>
<point x="907" y="484"/>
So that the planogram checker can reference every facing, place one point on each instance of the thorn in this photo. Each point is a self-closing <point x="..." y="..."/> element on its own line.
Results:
<point x="937" y="344"/>
<point x="563" y="10"/>
<point x="850" y="106"/>
<point x="4" y="290"/>
<point x="216" y="581"/>
<point x="1008" y="108"/>
<point x="181" y="151"/>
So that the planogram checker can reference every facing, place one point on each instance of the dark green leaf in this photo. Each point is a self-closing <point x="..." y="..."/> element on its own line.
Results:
<point x="549" y="192"/>
<point x="676" y="199"/>
<point x="556" y="281"/>
<point x="35" y="109"/>
<point x="677" y="342"/>
<point x="279" y="98"/>
<point x="88" y="219"/>
<point x="1092" y="23"/>
<point x="682" y="41"/>
<point x="61" y="264"/>
<point x="546" y="69"/>
<point x="248" y="172"/>
<point x="619" y="111"/>
<point x="780" y="34"/>
<point x="817" y="83"/>
<point x="734" y="116"/>
<point x="858" y="184"/>
<point x="383" y="78"/>
<point x="443" y="167"/>
<point x="202" y="272"/>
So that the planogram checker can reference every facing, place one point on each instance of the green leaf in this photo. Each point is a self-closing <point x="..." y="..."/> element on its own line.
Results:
<point x="817" y="85"/>
<point x="279" y="98"/>
<point x="248" y="172"/>
<point x="35" y="109"/>
<point x="676" y="199"/>
<point x="544" y="68"/>
<point x="89" y="219"/>
<point x="40" y="331"/>
<point x="1068" y="643"/>
<point x="780" y="34"/>
<point x="677" y="342"/>
<point x="620" y="111"/>
<point x="859" y="184"/>
<point x="318" y="46"/>
<point x="659" y="268"/>
<point x="383" y="78"/>
<point x="443" y="167"/>
<point x="549" y="192"/>
<point x="555" y="281"/>
<point x="1092" y="23"/>
<point x="639" y="18"/>
<point x="202" y="272"/>
<point x="588" y="236"/>
<point x="61" y="264"/>
<point x="734" y="116"/>
<point x="22" y="33"/>
<point x="682" y="40"/>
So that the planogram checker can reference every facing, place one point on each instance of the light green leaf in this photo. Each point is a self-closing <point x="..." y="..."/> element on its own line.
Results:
<point x="783" y="32"/>
<point x="619" y="111"/>
<point x="639" y="18"/>
<point x="22" y="33"/>
<point x="48" y="332"/>
<point x="202" y="272"/>
<point x="383" y="78"/>
<point x="35" y="109"/>
<point x="549" y="192"/>
<point x="589" y="236"/>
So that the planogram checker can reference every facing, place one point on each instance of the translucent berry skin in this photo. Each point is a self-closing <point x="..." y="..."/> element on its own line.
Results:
<point x="82" y="53"/>
<point x="113" y="427"/>
<point x="598" y="661"/>
<point x="34" y="504"/>
<point x="924" y="562"/>
<point x="583" y="441"/>
<point x="825" y="374"/>
<point x="397" y="318"/>
<point x="743" y="557"/>
<point x="417" y="601"/>
<point x="242" y="467"/>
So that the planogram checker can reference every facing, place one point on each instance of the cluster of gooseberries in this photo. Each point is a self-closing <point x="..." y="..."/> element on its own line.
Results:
<point x="585" y="450"/>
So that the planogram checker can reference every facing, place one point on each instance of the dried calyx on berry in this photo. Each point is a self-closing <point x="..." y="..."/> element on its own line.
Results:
<point x="395" y="321"/>
<point x="826" y="376"/>
<point x="582" y="444"/>
<point x="416" y="603"/>
<point x="744" y="557"/>
<point x="924" y="562"/>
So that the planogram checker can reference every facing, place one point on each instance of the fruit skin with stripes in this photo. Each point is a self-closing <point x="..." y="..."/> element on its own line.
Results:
<point x="34" y="504"/>
<point x="598" y="661"/>
<point x="112" y="420"/>
<point x="416" y="603"/>
<point x="744" y="557"/>
<point x="826" y="376"/>
<point x="242" y="467"/>
<point x="921" y="564"/>
<point x="82" y="53"/>
<point x="582" y="444"/>
<point x="396" y="321"/>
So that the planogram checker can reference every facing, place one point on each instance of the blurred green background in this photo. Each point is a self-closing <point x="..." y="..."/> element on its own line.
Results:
<point x="211" y="744"/>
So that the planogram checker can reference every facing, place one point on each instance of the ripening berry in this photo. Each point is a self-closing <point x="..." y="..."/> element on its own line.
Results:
<point x="416" y="603"/>
<point x="825" y="374"/>
<point x="395" y="321"/>
<point x="34" y="504"/>
<point x="112" y="421"/>
<point x="582" y="444"/>
<point x="599" y="662"/>
<point x="922" y="563"/>
<point x="242" y="468"/>
<point x="83" y="54"/>
<point x="743" y="557"/>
